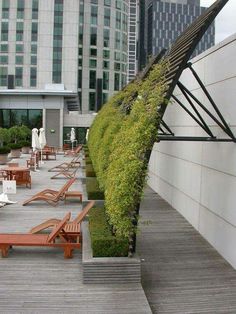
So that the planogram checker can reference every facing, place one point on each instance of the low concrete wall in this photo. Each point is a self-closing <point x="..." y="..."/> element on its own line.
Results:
<point x="107" y="269"/>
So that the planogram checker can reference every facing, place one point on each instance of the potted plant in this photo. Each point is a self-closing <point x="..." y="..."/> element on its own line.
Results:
<point x="4" y="150"/>
<point x="15" y="149"/>
<point x="25" y="147"/>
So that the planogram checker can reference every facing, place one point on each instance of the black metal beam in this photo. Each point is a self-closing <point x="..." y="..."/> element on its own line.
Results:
<point x="192" y="139"/>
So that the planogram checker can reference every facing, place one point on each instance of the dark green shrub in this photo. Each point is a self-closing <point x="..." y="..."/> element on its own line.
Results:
<point x="25" y="143"/>
<point x="90" y="171"/>
<point x="15" y="146"/>
<point x="104" y="243"/>
<point x="5" y="150"/>
<point x="93" y="191"/>
<point x="88" y="160"/>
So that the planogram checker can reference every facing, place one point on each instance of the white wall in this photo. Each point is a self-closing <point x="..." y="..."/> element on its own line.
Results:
<point x="199" y="178"/>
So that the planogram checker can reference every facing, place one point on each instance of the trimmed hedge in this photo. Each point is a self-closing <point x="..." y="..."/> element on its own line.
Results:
<point x="89" y="170"/>
<point x="104" y="243"/>
<point x="93" y="190"/>
<point x="5" y="150"/>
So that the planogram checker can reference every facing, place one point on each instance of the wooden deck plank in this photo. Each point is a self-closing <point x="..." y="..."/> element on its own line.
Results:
<point x="181" y="272"/>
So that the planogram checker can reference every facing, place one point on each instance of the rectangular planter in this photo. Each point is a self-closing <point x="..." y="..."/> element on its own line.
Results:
<point x="107" y="269"/>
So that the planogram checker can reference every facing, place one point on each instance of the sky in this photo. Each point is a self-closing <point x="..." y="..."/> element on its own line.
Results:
<point x="226" y="21"/>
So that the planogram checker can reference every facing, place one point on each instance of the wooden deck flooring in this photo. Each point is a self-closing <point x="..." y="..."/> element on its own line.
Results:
<point x="181" y="272"/>
<point x="40" y="280"/>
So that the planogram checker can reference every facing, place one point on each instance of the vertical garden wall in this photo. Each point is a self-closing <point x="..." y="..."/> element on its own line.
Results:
<point x="120" y="141"/>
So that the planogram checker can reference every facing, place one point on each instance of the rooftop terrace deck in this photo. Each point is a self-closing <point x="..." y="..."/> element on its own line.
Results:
<point x="181" y="272"/>
<point x="40" y="280"/>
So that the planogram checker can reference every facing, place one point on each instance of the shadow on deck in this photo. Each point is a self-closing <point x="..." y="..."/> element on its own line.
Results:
<point x="181" y="271"/>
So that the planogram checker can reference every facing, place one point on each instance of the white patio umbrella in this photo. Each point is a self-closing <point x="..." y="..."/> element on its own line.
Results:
<point x="87" y="134"/>
<point x="35" y="143"/>
<point x="72" y="136"/>
<point x="42" y="141"/>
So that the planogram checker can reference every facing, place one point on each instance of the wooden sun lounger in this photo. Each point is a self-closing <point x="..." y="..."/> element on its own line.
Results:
<point x="72" y="228"/>
<point x="74" y="163"/>
<point x="66" y="173"/>
<point x="51" y="196"/>
<point x="8" y="240"/>
<point x="74" y="152"/>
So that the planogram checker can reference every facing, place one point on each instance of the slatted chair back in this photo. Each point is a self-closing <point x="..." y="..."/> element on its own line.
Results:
<point x="58" y="228"/>
<point x="84" y="212"/>
<point x="64" y="188"/>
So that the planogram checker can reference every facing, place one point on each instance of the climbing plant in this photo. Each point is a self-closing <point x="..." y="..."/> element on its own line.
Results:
<point x="120" y="142"/>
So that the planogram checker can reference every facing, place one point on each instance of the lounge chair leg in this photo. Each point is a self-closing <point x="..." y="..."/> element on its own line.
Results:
<point x="68" y="252"/>
<point x="5" y="250"/>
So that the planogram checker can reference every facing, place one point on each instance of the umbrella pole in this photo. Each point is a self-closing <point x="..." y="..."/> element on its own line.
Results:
<point x="42" y="157"/>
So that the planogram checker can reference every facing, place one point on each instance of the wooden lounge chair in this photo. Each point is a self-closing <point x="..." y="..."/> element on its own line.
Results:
<point x="8" y="241"/>
<point x="74" y="152"/>
<point x="72" y="227"/>
<point x="51" y="196"/>
<point x="66" y="173"/>
<point x="74" y="163"/>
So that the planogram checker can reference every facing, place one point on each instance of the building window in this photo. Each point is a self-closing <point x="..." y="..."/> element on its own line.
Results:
<point x="80" y="62"/>
<point x="118" y="19"/>
<point x="106" y="64"/>
<point x="117" y="81"/>
<point x="34" y="31"/>
<point x="92" y="99"/>
<point x="19" y="48"/>
<point x="117" y="41"/>
<point x="35" y="5"/>
<point x="81" y="13"/>
<point x="107" y="17"/>
<point x="92" y="79"/>
<point x="118" y="4"/>
<point x="80" y="51"/>
<point x="18" y="76"/>
<point x="105" y="80"/>
<point x="106" y="37"/>
<point x="4" y="31"/>
<point x="32" y="118"/>
<point x="19" y="59"/>
<point x="94" y="15"/>
<point x="34" y="48"/>
<point x="5" y="9"/>
<point x="107" y="2"/>
<point x="92" y="63"/>
<point x="104" y="98"/>
<point x="33" y="60"/>
<point x="20" y="9"/>
<point x="93" y="52"/>
<point x="117" y="66"/>
<point x="19" y="31"/>
<point x="93" y="36"/>
<point x="4" y="48"/>
<point x="80" y="79"/>
<point x="3" y="76"/>
<point x="106" y="54"/>
<point x="33" y="77"/>
<point x="3" y="59"/>
<point x="57" y="41"/>
<point x="81" y="35"/>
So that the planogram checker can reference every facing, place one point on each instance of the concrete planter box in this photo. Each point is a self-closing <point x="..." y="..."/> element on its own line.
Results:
<point x="15" y="153"/>
<point x="3" y="159"/>
<point x="107" y="269"/>
<point x="25" y="150"/>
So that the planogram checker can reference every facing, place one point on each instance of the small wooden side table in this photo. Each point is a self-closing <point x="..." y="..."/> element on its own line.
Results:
<point x="73" y="194"/>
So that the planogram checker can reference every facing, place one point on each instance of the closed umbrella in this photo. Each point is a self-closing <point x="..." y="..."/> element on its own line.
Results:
<point x="87" y="135"/>
<point x="42" y="141"/>
<point x="72" y="136"/>
<point x="35" y="143"/>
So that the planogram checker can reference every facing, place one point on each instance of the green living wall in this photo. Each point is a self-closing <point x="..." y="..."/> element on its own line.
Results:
<point x="120" y="141"/>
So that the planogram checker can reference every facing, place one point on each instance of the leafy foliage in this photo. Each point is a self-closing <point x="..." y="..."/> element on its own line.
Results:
<point x="104" y="243"/>
<point x="120" y="142"/>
